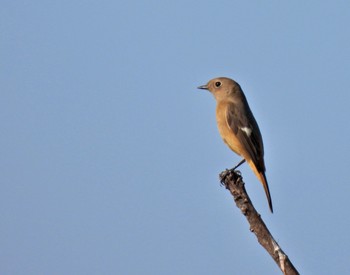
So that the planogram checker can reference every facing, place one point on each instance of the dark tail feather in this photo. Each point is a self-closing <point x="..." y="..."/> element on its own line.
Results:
<point x="266" y="188"/>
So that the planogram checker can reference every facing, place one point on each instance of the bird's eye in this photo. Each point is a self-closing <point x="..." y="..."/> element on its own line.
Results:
<point x="217" y="84"/>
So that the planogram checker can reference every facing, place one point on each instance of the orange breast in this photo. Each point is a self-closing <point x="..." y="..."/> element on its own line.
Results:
<point x="225" y="131"/>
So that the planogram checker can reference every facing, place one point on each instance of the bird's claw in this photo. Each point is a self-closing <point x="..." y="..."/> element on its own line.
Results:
<point x="224" y="175"/>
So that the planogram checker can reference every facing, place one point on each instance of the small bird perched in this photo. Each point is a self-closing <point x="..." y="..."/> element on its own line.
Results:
<point x="238" y="127"/>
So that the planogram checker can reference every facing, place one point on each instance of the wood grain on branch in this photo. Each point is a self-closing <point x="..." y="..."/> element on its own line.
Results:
<point x="232" y="180"/>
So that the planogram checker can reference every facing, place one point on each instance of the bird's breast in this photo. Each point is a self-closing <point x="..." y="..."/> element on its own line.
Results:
<point x="225" y="131"/>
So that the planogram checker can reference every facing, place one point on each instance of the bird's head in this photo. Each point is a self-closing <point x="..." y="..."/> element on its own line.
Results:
<point x="223" y="88"/>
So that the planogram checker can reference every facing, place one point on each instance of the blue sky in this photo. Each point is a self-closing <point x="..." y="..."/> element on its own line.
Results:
<point x="110" y="155"/>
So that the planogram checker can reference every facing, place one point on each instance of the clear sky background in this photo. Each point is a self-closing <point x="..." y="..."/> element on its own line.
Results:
<point x="110" y="155"/>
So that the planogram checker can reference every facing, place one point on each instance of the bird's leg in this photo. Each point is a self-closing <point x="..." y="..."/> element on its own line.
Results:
<point x="224" y="174"/>
<point x="239" y="164"/>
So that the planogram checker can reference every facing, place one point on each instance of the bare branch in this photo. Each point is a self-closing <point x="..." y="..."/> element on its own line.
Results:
<point x="232" y="180"/>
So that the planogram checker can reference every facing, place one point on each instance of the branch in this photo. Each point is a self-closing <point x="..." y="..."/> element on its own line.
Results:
<point x="232" y="180"/>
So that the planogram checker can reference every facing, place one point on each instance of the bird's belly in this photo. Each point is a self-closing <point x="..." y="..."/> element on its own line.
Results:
<point x="228" y="137"/>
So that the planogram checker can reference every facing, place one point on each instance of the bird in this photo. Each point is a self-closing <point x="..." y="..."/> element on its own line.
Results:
<point x="238" y="127"/>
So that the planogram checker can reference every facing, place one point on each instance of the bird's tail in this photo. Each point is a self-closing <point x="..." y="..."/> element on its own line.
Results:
<point x="261" y="176"/>
<point x="263" y="180"/>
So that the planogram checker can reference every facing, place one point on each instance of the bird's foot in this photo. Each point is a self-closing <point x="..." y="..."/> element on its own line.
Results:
<point x="223" y="175"/>
<point x="229" y="174"/>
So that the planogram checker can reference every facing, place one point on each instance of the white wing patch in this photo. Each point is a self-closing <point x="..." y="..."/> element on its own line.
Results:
<point x="247" y="130"/>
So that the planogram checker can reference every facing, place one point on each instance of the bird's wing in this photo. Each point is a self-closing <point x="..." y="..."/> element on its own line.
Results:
<point x="242" y="122"/>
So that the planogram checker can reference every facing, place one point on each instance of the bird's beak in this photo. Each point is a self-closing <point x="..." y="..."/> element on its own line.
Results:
<point x="203" y="87"/>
